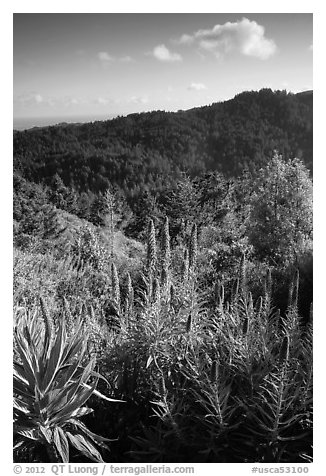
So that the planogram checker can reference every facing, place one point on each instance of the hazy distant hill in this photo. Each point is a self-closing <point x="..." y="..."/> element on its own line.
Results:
<point x="150" y="150"/>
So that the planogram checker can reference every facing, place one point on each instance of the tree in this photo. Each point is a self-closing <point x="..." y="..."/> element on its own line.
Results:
<point x="214" y="197"/>
<point x="144" y="207"/>
<point x="181" y="204"/>
<point x="98" y="210"/>
<point x="62" y="196"/>
<point x="280" y="224"/>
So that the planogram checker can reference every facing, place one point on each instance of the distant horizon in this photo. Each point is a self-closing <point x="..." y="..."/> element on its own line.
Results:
<point x="25" y="123"/>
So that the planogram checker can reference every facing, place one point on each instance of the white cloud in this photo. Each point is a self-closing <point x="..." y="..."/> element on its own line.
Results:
<point x="245" y="37"/>
<point x="105" y="57"/>
<point x="126" y="59"/>
<point x="102" y="101"/>
<point x="162" y="53"/>
<point x="186" y="40"/>
<point x="33" y="98"/>
<point x="68" y="101"/>
<point x="197" y="87"/>
<point x="139" y="100"/>
<point x="38" y="98"/>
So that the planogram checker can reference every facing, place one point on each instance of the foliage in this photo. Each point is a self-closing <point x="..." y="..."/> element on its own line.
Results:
<point x="52" y="383"/>
<point x="149" y="151"/>
<point x="280" y="225"/>
<point x="207" y="374"/>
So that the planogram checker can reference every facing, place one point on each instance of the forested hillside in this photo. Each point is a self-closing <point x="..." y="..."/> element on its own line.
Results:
<point x="149" y="150"/>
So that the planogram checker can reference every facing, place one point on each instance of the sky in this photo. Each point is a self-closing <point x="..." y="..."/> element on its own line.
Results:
<point x="100" y="65"/>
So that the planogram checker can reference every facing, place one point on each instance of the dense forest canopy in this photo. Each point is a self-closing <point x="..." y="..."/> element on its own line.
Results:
<point x="148" y="150"/>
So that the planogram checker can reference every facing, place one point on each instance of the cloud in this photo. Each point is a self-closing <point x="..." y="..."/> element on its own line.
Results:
<point x="245" y="37"/>
<point x="38" y="98"/>
<point x="139" y="100"/>
<point x="104" y="57"/>
<point x="161" y="53"/>
<point x="33" y="99"/>
<point x="102" y="101"/>
<point x="186" y="40"/>
<point x="126" y="59"/>
<point x="197" y="87"/>
<point x="68" y="101"/>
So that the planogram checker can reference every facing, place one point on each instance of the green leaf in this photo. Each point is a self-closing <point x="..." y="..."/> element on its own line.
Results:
<point x="29" y="373"/>
<point x="54" y="361"/>
<point x="74" y="344"/>
<point x="82" y="412"/>
<point x="61" y="443"/>
<point x="83" y="445"/>
<point x="30" y="434"/>
<point x="79" y="400"/>
<point x="99" y="440"/>
<point x="108" y="399"/>
<point x="47" y="433"/>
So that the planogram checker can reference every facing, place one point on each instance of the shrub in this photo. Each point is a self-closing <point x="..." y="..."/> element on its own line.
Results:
<point x="52" y="382"/>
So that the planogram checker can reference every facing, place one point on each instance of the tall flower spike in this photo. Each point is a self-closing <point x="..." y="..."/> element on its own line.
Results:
<point x="109" y="201"/>
<point x="151" y="249"/>
<point x="47" y="318"/>
<point x="311" y="313"/>
<point x="164" y="279"/>
<point x="130" y="292"/>
<point x="290" y="298"/>
<point x="259" y="305"/>
<point x="242" y="274"/>
<point x="214" y="372"/>
<point x="250" y="302"/>
<point x="115" y="285"/>
<point x="222" y="293"/>
<point x="166" y="250"/>
<point x="156" y="291"/>
<point x="182" y="231"/>
<point x="284" y="351"/>
<point x="268" y="287"/>
<point x="193" y="247"/>
<point x="68" y="315"/>
<point x="295" y="295"/>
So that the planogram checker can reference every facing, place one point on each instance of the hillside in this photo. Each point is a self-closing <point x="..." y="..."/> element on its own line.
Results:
<point x="148" y="151"/>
